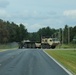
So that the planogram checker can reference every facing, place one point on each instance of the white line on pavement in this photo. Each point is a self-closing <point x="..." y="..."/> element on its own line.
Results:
<point x="58" y="64"/>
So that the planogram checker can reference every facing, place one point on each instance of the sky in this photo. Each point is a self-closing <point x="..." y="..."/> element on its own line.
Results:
<point x="36" y="14"/>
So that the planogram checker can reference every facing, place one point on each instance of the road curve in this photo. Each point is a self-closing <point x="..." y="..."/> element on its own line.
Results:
<point x="28" y="62"/>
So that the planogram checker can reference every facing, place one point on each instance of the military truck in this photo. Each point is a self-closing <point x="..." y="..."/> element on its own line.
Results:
<point x="46" y="43"/>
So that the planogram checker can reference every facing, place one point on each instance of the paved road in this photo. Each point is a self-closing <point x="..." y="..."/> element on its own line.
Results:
<point x="28" y="62"/>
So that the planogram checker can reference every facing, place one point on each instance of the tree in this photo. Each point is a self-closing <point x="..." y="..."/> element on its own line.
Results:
<point x="4" y="34"/>
<point x="66" y="34"/>
<point x="11" y="32"/>
<point x="22" y="32"/>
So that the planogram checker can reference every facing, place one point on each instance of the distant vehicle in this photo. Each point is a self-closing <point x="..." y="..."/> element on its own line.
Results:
<point x="46" y="43"/>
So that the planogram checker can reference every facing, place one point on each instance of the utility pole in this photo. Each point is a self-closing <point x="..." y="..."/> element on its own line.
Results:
<point x="55" y="35"/>
<point x="62" y="36"/>
<point x="52" y="36"/>
<point x="68" y="35"/>
<point x="59" y="35"/>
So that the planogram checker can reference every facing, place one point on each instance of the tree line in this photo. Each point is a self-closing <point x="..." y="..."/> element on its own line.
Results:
<point x="11" y="32"/>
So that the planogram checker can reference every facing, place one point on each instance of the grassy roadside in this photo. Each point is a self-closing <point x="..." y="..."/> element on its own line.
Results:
<point x="66" y="46"/>
<point x="8" y="46"/>
<point x="65" y="57"/>
<point x="5" y="47"/>
<point x="2" y="50"/>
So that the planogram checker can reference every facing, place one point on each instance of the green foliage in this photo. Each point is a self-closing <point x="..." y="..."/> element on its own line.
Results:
<point x="46" y="31"/>
<point x="67" y="46"/>
<point x="9" y="46"/>
<point x="22" y="32"/>
<point x="11" y="32"/>
<point x="67" y="33"/>
<point x="61" y="34"/>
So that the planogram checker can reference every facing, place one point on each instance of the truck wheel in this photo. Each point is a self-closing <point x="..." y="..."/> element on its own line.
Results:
<point x="52" y="47"/>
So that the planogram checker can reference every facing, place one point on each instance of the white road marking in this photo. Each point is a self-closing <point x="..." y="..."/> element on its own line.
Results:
<point x="58" y="63"/>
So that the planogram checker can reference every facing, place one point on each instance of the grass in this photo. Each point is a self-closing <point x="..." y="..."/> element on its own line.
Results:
<point x="4" y="47"/>
<point x="65" y="57"/>
<point x="66" y="46"/>
<point x="1" y="50"/>
<point x="8" y="46"/>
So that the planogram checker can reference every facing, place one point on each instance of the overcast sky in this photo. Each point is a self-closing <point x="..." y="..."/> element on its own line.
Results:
<point x="35" y="14"/>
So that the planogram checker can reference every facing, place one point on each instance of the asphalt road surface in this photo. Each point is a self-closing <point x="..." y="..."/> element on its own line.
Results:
<point x="28" y="62"/>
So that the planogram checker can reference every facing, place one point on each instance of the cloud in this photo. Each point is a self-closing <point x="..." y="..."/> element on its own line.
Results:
<point x="35" y="15"/>
<point x="52" y="13"/>
<point x="4" y="3"/>
<point x="70" y="13"/>
<point x="69" y="17"/>
<point x="33" y="27"/>
<point x="35" y="20"/>
<point x="4" y="14"/>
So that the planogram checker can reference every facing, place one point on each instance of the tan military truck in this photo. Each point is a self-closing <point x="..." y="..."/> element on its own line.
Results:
<point x="46" y="43"/>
